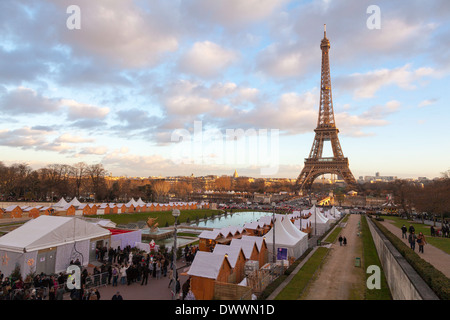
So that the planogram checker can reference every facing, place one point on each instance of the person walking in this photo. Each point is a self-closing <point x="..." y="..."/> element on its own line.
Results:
<point x="340" y="240"/>
<point x="411" y="229"/>
<point x="158" y="270"/>
<point x="123" y="274"/>
<point x="404" y="230"/>
<point x="170" y="273"/>
<point x="421" y="241"/>
<point x="115" y="276"/>
<point x="344" y="241"/>
<point x="145" y="272"/>
<point x="412" y="240"/>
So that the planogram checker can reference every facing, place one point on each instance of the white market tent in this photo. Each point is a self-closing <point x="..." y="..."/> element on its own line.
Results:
<point x="296" y="233"/>
<point x="318" y="221"/>
<point x="60" y="204"/>
<point x="48" y="244"/>
<point x="75" y="202"/>
<point x="283" y="240"/>
<point x="140" y="202"/>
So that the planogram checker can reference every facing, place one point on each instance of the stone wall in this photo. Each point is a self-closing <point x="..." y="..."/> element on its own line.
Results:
<point x="403" y="281"/>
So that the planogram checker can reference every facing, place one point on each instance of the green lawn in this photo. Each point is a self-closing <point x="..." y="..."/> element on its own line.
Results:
<point x="333" y="236"/>
<point x="370" y="257"/>
<point x="300" y="281"/>
<point x="438" y="242"/>
<point x="162" y="216"/>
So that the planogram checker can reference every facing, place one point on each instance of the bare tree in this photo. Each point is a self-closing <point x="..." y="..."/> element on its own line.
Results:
<point x="79" y="172"/>
<point x="161" y="188"/>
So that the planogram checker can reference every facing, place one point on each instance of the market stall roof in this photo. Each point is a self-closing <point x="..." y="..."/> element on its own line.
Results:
<point x="49" y="231"/>
<point x="258" y="240"/>
<point x="247" y="246"/>
<point x="292" y="230"/>
<point x="282" y="236"/>
<point x="207" y="265"/>
<point x="231" y="252"/>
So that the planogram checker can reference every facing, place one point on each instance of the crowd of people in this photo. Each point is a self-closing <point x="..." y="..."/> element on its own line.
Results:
<point x="125" y="267"/>
<point x="37" y="287"/>
<point x="413" y="238"/>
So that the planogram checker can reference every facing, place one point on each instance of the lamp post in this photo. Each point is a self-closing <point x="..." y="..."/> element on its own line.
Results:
<point x="273" y="228"/>
<point x="175" y="214"/>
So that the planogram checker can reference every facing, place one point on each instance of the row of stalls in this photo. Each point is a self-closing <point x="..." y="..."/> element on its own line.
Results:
<point x="76" y="208"/>
<point x="49" y="244"/>
<point x="225" y="254"/>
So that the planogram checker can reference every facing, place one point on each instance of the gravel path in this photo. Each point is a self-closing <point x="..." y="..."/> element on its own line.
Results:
<point x="339" y="279"/>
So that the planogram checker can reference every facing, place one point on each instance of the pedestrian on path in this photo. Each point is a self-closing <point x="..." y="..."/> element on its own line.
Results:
<point x="411" y="229"/>
<point x="404" y="229"/>
<point x="412" y="240"/>
<point x="340" y="240"/>
<point x="421" y="241"/>
<point x="170" y="277"/>
<point x="345" y="241"/>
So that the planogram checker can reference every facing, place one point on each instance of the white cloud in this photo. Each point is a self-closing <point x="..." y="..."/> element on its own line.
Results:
<point x="122" y="32"/>
<point x="427" y="102"/>
<point x="100" y="150"/>
<point x="68" y="138"/>
<point x="366" y="85"/>
<point x="207" y="59"/>
<point x="233" y="14"/>
<point x="26" y="101"/>
<point x="79" y="110"/>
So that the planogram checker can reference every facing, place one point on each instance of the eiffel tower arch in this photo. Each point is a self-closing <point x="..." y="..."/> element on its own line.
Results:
<point x="316" y="164"/>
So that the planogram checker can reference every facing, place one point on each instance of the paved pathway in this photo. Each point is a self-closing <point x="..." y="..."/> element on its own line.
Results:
<point x="156" y="289"/>
<point x="438" y="258"/>
<point x="338" y="278"/>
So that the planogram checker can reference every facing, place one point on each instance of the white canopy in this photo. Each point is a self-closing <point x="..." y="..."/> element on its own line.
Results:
<point x="60" y="204"/>
<point x="49" y="231"/>
<point x="140" y="202"/>
<point x="132" y="202"/>
<point x="283" y="240"/>
<point x="75" y="202"/>
<point x="296" y="233"/>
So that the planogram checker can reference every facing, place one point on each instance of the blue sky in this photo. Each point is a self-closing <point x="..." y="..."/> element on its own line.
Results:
<point x="137" y="72"/>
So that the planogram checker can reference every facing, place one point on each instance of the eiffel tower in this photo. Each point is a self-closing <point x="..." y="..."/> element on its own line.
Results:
<point x="315" y="164"/>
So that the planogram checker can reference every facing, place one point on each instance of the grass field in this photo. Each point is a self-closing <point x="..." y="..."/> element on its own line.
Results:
<point x="370" y="257"/>
<point x="301" y="280"/>
<point x="438" y="242"/>
<point x="162" y="217"/>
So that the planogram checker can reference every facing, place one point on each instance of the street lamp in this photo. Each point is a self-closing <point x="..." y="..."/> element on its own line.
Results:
<point x="175" y="214"/>
<point x="273" y="228"/>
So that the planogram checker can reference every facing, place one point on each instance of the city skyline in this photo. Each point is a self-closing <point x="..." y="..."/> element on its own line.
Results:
<point x="117" y="90"/>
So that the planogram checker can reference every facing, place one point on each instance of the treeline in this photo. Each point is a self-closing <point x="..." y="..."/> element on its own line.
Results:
<point x="432" y="197"/>
<point x="19" y="182"/>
